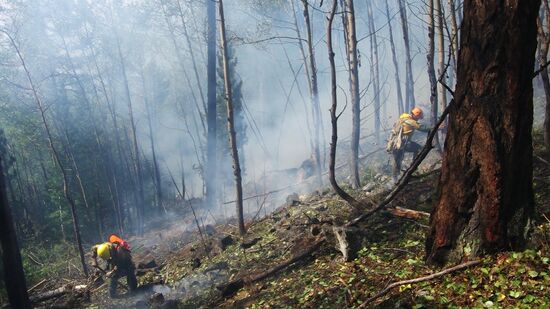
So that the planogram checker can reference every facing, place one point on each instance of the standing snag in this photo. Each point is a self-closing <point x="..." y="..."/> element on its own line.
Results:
<point x="231" y="123"/>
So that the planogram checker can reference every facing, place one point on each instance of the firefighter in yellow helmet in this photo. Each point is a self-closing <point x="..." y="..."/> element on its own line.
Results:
<point x="119" y="264"/>
<point x="400" y="140"/>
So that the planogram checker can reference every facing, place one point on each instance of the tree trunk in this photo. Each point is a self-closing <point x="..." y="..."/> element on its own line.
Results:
<point x="375" y="72"/>
<point x="438" y="9"/>
<point x="333" y="117"/>
<point x="454" y="35"/>
<point x="231" y="122"/>
<point x="354" y="92"/>
<point x="314" y="91"/>
<point x="211" y="96"/>
<point x="431" y="69"/>
<point x="485" y="197"/>
<point x="544" y="43"/>
<point x="409" y="82"/>
<point x="400" y="106"/>
<point x="14" y="275"/>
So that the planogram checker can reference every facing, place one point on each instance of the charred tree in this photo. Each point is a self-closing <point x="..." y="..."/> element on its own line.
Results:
<point x="400" y="106"/>
<point x="353" y="65"/>
<point x="231" y="122"/>
<point x="409" y="81"/>
<point x="14" y="275"/>
<point x="211" y="101"/>
<point x="485" y="197"/>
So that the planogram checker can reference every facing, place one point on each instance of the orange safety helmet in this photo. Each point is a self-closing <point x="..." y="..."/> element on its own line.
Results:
<point x="417" y="113"/>
<point x="115" y="239"/>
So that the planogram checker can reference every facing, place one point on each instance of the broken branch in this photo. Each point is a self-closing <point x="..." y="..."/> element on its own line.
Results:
<point x="235" y="285"/>
<point x="416" y="280"/>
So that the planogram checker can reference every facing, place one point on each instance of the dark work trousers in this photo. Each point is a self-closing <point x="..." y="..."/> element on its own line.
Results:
<point x="127" y="272"/>
<point x="398" y="155"/>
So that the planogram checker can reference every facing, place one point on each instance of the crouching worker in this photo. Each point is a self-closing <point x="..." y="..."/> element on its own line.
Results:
<point x="117" y="254"/>
<point x="400" y="140"/>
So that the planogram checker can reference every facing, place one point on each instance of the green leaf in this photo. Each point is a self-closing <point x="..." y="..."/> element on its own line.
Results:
<point x="529" y="298"/>
<point x="533" y="274"/>
<point x="515" y="294"/>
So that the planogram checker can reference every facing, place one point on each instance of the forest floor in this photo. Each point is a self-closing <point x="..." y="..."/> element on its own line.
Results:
<point x="189" y="271"/>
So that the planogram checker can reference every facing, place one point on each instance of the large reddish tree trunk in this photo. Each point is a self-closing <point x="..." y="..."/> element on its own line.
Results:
<point x="485" y="187"/>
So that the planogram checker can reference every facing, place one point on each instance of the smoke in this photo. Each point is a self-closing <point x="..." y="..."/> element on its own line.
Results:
<point x="164" y="88"/>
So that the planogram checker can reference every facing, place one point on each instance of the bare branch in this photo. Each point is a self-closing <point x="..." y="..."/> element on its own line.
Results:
<point x="420" y="279"/>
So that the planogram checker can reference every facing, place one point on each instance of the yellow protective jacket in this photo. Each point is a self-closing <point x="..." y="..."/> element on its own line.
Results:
<point x="409" y="125"/>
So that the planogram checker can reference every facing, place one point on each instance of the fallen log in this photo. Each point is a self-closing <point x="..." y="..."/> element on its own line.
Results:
<point x="407" y="213"/>
<point x="416" y="280"/>
<point x="235" y="285"/>
<point x="68" y="288"/>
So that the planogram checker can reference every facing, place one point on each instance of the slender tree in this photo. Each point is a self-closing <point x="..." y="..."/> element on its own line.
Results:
<point x="409" y="81"/>
<point x="438" y="9"/>
<point x="400" y="106"/>
<point x="431" y="69"/>
<point x="544" y="44"/>
<point x="333" y="117"/>
<point x="314" y="92"/>
<point x="353" y="65"/>
<point x="231" y="122"/>
<point x="454" y="33"/>
<point x="211" y="100"/>
<point x="485" y="200"/>
<point x="375" y="72"/>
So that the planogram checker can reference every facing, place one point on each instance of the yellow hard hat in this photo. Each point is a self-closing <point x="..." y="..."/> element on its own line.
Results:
<point x="417" y="112"/>
<point x="103" y="251"/>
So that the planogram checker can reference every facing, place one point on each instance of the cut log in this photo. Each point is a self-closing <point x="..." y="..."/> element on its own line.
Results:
<point x="408" y="213"/>
<point x="68" y="288"/>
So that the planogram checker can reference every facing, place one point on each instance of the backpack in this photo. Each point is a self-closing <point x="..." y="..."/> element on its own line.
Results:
<point x="395" y="142"/>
